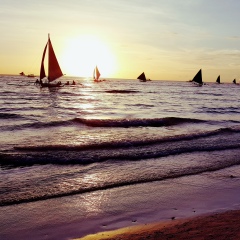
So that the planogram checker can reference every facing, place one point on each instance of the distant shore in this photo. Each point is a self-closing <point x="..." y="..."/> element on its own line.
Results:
<point x="221" y="226"/>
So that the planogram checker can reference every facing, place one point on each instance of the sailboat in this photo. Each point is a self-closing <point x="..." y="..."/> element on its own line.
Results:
<point x="218" y="79"/>
<point x="96" y="75"/>
<point x="31" y="75"/>
<point x="54" y="70"/>
<point x="198" y="78"/>
<point x="22" y="74"/>
<point x="142" y="77"/>
<point x="234" y="81"/>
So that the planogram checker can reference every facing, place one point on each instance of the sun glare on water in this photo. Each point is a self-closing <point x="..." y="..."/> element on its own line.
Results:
<point x="83" y="53"/>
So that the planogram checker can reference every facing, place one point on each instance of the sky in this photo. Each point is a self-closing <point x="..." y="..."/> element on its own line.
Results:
<point x="168" y="40"/>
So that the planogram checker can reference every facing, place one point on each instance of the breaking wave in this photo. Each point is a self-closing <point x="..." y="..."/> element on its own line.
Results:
<point x="156" y="122"/>
<point x="44" y="195"/>
<point x="116" y="123"/>
<point x="121" y="91"/>
<point x="125" y="150"/>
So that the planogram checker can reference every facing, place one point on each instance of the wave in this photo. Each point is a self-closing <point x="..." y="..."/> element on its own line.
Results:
<point x="142" y="105"/>
<point x="219" y="110"/>
<point x="65" y="157"/>
<point x="156" y="122"/>
<point x="128" y="150"/>
<point x="121" y="91"/>
<point x="21" y="83"/>
<point x="117" y="123"/>
<point x="37" y="125"/>
<point x="124" y="144"/>
<point x="123" y="183"/>
<point x="9" y="115"/>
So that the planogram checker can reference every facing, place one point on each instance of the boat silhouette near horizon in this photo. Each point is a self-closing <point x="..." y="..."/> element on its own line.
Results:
<point x="96" y="75"/>
<point x="198" y="78"/>
<point x="142" y="77"/>
<point x="218" y="80"/>
<point x="31" y="75"/>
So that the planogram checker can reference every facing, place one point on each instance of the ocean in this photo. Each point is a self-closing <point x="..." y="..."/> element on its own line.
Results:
<point x="109" y="144"/>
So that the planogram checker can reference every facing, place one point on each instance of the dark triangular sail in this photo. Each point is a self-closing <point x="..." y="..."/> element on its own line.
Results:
<point x="198" y="77"/>
<point x="218" y="79"/>
<point x="142" y="77"/>
<point x="234" y="81"/>
<point x="54" y="70"/>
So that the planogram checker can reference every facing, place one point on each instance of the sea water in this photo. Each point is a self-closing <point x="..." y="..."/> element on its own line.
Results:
<point x="97" y="138"/>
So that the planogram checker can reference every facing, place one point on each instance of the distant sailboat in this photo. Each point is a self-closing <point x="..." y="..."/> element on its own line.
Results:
<point x="218" y="79"/>
<point x="54" y="70"/>
<point x="31" y="75"/>
<point x="234" y="81"/>
<point x="96" y="75"/>
<point x="142" y="77"/>
<point x="198" y="78"/>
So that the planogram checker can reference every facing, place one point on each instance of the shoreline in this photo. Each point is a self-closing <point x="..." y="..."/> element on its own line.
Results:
<point x="220" y="225"/>
<point x="139" y="210"/>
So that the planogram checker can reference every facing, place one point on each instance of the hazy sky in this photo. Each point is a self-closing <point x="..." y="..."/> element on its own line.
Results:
<point x="167" y="39"/>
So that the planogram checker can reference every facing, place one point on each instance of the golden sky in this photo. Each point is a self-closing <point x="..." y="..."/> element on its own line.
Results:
<point x="168" y="40"/>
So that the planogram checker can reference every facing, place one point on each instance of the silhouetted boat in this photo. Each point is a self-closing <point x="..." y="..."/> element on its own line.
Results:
<point x="234" y="81"/>
<point x="218" y="79"/>
<point x="30" y="75"/>
<point x="96" y="74"/>
<point x="54" y="70"/>
<point x="198" y="78"/>
<point x="142" y="77"/>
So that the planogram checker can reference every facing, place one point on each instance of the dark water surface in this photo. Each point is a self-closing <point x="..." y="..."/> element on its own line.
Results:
<point x="89" y="137"/>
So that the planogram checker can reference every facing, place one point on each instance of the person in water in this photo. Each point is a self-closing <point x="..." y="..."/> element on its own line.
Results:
<point x="73" y="83"/>
<point x="67" y="83"/>
<point x="37" y="82"/>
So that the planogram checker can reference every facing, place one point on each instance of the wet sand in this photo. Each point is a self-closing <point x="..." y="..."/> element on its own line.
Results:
<point x="219" y="226"/>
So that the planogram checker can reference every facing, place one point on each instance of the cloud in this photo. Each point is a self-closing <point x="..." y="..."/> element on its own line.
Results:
<point x="234" y="38"/>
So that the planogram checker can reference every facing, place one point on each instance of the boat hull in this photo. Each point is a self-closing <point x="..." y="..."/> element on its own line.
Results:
<point x="31" y="75"/>
<point x="50" y="85"/>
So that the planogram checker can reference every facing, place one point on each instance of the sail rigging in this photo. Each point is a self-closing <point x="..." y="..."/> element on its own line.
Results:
<point x="142" y="77"/>
<point x="54" y="70"/>
<point x="198" y="77"/>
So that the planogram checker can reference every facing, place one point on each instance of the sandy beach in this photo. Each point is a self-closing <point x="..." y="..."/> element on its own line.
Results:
<point x="219" y="226"/>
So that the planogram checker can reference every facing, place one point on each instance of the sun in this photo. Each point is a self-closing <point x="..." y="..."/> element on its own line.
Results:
<point x="81" y="54"/>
